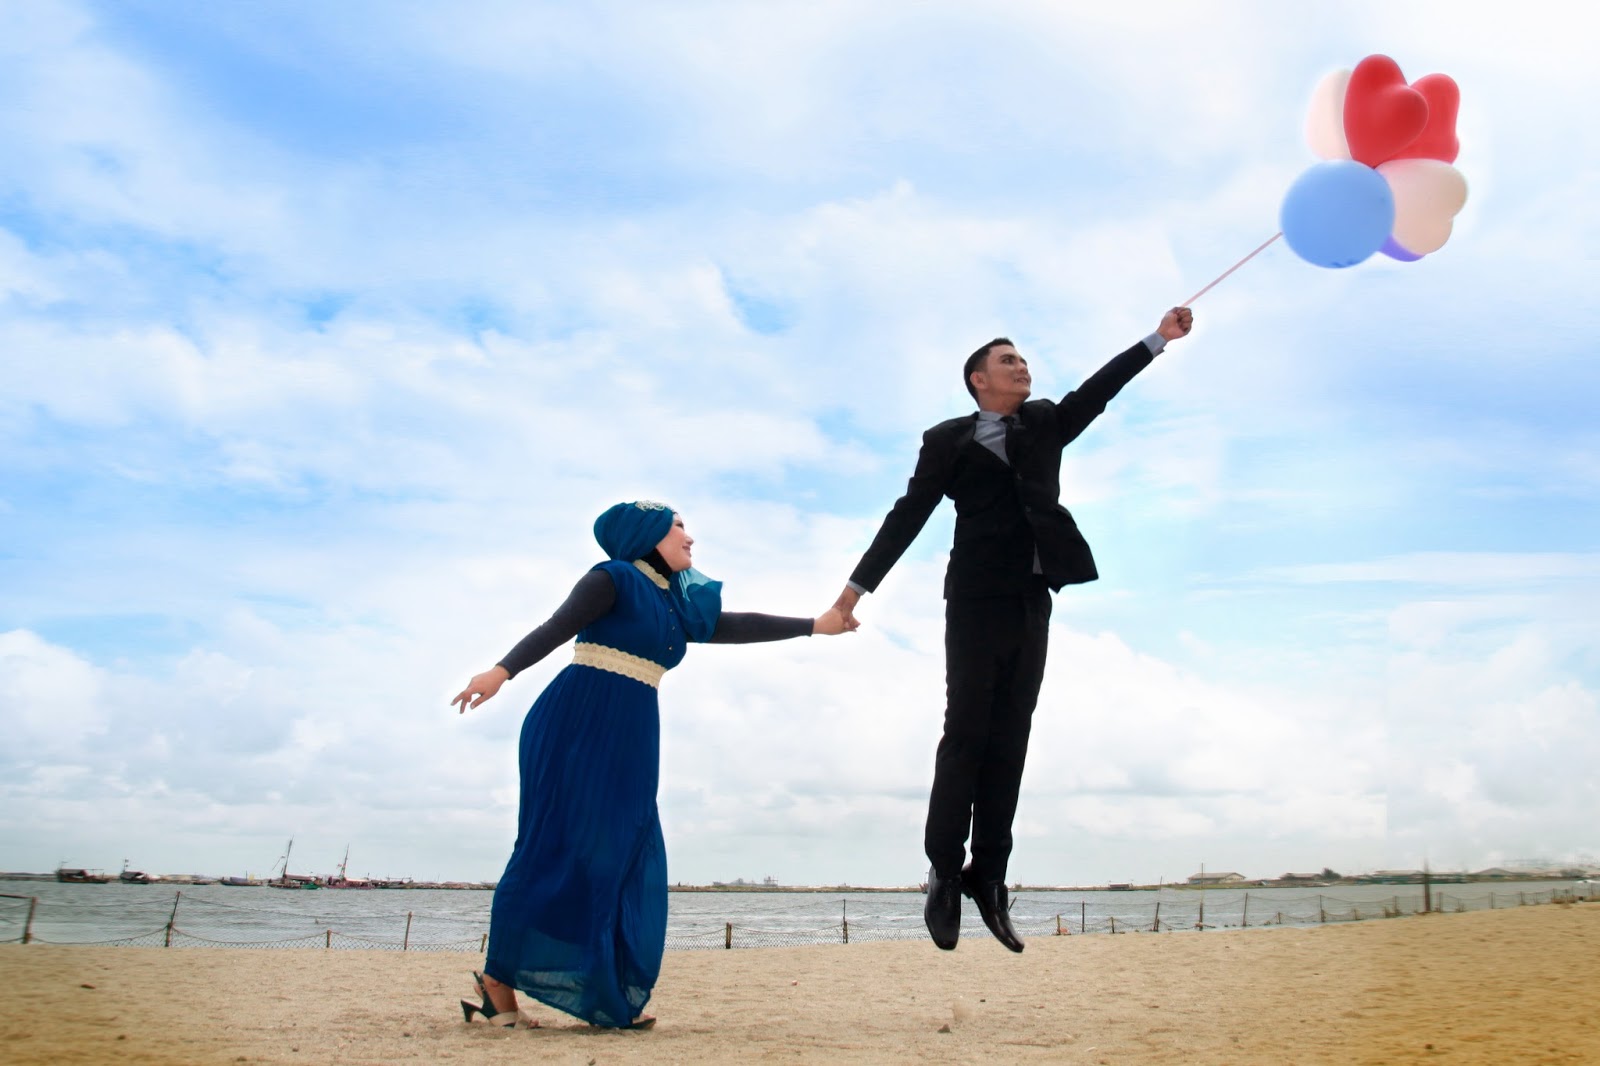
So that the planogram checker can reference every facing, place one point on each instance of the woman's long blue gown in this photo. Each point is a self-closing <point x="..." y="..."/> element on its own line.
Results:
<point x="579" y="919"/>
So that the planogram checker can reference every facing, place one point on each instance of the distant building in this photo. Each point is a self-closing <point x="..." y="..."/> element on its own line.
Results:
<point x="1524" y="872"/>
<point x="1412" y="877"/>
<point x="1225" y="878"/>
<point x="1300" y="879"/>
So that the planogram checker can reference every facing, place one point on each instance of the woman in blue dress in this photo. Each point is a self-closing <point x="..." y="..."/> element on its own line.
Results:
<point x="579" y="918"/>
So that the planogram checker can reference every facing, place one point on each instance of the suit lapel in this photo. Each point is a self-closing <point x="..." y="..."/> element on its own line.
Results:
<point x="967" y="431"/>
<point x="968" y="449"/>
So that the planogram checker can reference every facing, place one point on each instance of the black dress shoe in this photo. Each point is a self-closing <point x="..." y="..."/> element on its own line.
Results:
<point x="990" y="896"/>
<point x="942" y="911"/>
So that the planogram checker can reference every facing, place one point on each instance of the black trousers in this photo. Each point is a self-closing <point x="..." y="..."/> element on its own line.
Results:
<point x="994" y="653"/>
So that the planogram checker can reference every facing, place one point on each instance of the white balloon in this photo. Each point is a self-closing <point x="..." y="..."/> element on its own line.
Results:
<point x="1428" y="194"/>
<point x="1325" y="119"/>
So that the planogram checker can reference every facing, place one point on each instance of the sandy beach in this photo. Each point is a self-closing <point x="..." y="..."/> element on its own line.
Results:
<point x="1519" y="985"/>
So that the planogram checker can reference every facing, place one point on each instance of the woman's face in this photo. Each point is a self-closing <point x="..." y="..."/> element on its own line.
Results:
<point x="676" y="546"/>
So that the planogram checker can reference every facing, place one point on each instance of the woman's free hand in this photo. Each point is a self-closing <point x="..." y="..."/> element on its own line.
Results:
<point x="832" y="622"/>
<point x="481" y="687"/>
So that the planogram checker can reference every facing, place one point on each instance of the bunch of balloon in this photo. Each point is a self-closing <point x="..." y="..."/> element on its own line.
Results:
<point x="1387" y="184"/>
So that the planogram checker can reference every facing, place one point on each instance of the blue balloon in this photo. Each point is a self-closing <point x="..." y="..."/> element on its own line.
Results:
<point x="1337" y="213"/>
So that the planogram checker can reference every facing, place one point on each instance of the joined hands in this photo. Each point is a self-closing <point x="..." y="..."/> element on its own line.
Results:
<point x="846" y="606"/>
<point x="832" y="622"/>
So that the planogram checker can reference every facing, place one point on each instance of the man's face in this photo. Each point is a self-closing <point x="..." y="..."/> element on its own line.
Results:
<point x="1004" y="375"/>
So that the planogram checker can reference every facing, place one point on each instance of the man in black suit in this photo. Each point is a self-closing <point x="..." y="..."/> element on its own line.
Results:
<point x="1014" y="545"/>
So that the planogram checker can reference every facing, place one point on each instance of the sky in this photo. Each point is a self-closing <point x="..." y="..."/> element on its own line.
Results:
<point x="327" y="330"/>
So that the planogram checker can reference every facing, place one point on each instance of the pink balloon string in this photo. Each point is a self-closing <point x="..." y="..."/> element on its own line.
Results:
<point x="1231" y="269"/>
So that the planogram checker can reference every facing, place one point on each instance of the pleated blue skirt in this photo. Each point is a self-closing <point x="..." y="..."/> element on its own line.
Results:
<point x="579" y="919"/>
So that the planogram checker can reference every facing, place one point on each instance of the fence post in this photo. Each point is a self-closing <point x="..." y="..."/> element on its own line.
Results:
<point x="327" y="938"/>
<point x="483" y="945"/>
<point x="1491" y="901"/>
<point x="1058" y="925"/>
<point x="1113" y="924"/>
<point x="1083" y="916"/>
<point x="27" y="929"/>
<point x="1244" y="922"/>
<point x="173" y="918"/>
<point x="727" y="936"/>
<point x="1155" y="926"/>
<point x="846" y="919"/>
<point x="1522" y="900"/>
<point x="405" y="945"/>
<point x="1322" y="915"/>
<point x="1200" y="923"/>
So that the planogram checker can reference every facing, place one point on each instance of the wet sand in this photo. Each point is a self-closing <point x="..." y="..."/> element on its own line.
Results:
<point x="1520" y="985"/>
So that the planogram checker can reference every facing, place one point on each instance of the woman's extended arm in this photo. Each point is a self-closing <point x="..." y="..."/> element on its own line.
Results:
<point x="748" y="627"/>
<point x="593" y="595"/>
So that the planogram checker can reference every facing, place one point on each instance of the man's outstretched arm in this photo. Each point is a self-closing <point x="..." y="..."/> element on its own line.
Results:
<point x="1088" y="401"/>
<point x="901" y="526"/>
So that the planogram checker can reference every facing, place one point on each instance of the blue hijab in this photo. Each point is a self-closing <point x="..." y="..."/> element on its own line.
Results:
<point x="627" y="531"/>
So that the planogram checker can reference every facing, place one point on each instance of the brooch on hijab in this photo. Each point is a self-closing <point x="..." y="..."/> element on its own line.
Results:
<point x="649" y="505"/>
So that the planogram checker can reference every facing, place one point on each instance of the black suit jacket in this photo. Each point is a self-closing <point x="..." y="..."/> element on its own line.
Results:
<point x="1003" y="513"/>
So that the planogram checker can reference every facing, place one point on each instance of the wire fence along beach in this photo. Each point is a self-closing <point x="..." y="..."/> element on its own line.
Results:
<point x="188" y="920"/>
<point x="712" y="920"/>
<point x="866" y="919"/>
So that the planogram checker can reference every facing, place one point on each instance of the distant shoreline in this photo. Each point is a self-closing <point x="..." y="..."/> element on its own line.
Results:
<point x="185" y="880"/>
<point x="1183" y="886"/>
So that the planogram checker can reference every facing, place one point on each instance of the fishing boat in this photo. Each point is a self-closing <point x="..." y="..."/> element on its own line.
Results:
<point x="342" y="881"/>
<point x="285" y="880"/>
<point x="73" y="875"/>
<point x="133" y="877"/>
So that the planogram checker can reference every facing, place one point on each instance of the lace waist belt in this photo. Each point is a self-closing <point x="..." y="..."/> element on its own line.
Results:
<point x="618" y="662"/>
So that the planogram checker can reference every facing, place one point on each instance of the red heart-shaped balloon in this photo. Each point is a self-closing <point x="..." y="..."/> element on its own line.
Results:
<point x="1438" y="137"/>
<point x="1382" y="114"/>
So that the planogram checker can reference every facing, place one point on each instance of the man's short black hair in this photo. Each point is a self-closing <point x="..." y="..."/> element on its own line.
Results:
<point x="975" y="362"/>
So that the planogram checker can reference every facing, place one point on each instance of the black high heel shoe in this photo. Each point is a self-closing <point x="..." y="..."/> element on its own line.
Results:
<point x="511" y="1019"/>
<point x="469" y="1008"/>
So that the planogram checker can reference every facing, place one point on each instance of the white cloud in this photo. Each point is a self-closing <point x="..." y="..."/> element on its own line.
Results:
<point x="1453" y="568"/>
<point x="52" y="699"/>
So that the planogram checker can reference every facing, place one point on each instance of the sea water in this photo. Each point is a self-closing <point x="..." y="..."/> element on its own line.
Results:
<point x="438" y="919"/>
